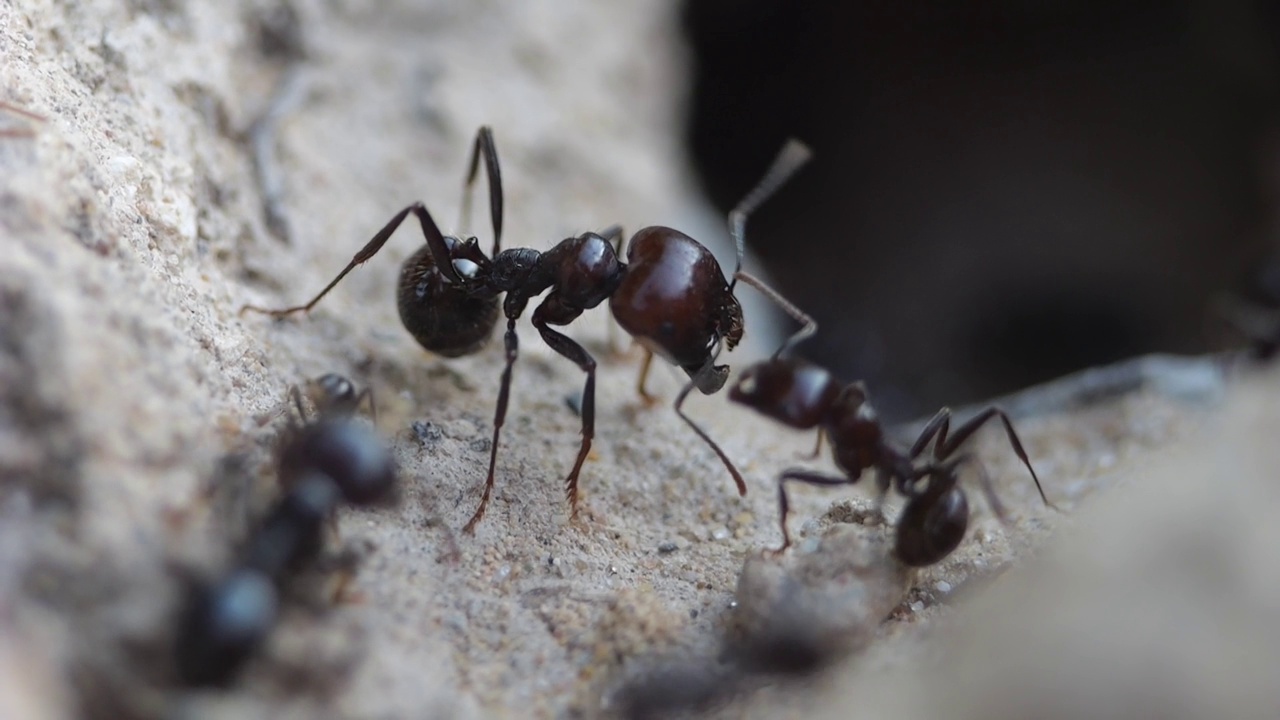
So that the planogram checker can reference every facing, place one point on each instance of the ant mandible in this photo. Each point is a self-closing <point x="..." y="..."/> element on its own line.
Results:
<point x="323" y="464"/>
<point x="805" y="396"/>
<point x="671" y="295"/>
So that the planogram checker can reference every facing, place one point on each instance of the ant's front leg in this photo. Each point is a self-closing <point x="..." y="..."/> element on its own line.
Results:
<point x="784" y="506"/>
<point x="709" y="375"/>
<point x="430" y="232"/>
<point x="553" y="311"/>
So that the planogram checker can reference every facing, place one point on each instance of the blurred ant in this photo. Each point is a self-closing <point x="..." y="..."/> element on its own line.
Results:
<point x="322" y="464"/>
<point x="671" y="295"/>
<point x="15" y="132"/>
<point x="805" y="396"/>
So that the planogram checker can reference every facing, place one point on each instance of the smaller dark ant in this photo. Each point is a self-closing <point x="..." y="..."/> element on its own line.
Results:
<point x="15" y="132"/>
<point x="671" y="295"/>
<point x="805" y="396"/>
<point x="322" y="464"/>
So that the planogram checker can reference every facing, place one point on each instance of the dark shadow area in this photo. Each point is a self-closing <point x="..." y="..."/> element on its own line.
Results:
<point x="1002" y="191"/>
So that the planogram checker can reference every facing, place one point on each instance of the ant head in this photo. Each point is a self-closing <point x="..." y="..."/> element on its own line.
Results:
<point x="853" y="400"/>
<point x="791" y="391"/>
<point x="332" y="393"/>
<point x="729" y="324"/>
<point x="673" y="298"/>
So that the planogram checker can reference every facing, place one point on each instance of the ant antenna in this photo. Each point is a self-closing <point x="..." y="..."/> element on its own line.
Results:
<point x="809" y="326"/>
<point x="791" y="158"/>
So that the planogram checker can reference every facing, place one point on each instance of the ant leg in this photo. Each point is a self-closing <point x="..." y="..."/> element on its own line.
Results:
<point x="645" y="397"/>
<point x="947" y="445"/>
<point x="367" y="394"/>
<point x="434" y="240"/>
<point x="16" y="132"/>
<point x="296" y="395"/>
<point x="937" y="425"/>
<point x="485" y="147"/>
<point x="988" y="490"/>
<point x="22" y="111"/>
<point x="614" y="233"/>
<point x="817" y="448"/>
<point x="808" y="326"/>
<point x="553" y="311"/>
<point x="737" y="476"/>
<point x="261" y="138"/>
<point x="499" y="417"/>
<point x="784" y="506"/>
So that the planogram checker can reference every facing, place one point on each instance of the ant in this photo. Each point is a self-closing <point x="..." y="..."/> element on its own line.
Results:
<point x="322" y="464"/>
<point x="805" y="396"/>
<point x="670" y="294"/>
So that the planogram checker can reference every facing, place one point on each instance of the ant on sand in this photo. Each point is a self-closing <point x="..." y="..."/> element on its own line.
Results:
<point x="805" y="396"/>
<point x="670" y="294"/>
<point x="322" y="464"/>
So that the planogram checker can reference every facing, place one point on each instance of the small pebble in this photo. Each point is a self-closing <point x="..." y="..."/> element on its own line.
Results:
<point x="720" y="533"/>
<point x="944" y="587"/>
<point x="426" y="433"/>
<point x="917" y="607"/>
<point x="668" y="547"/>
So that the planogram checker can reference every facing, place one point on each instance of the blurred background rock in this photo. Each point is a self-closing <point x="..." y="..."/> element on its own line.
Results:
<point x="1004" y="191"/>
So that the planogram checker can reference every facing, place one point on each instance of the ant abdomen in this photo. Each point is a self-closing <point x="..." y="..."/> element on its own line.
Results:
<point x="930" y="527"/>
<point x="674" y="297"/>
<point x="441" y="315"/>
<point x="223" y="624"/>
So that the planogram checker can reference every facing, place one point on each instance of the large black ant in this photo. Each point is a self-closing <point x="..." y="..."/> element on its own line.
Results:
<point x="805" y="396"/>
<point x="322" y="464"/>
<point x="670" y="294"/>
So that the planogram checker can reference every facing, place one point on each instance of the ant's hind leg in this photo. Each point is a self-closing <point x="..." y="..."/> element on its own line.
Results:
<point x="784" y="506"/>
<point x="431" y="234"/>
<point x="947" y="445"/>
<point x="484" y="147"/>
<point x="512" y="343"/>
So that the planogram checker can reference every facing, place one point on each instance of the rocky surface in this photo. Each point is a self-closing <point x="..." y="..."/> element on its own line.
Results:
<point x="139" y="410"/>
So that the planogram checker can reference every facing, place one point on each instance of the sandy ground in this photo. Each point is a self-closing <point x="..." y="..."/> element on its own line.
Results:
<point x="139" y="412"/>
